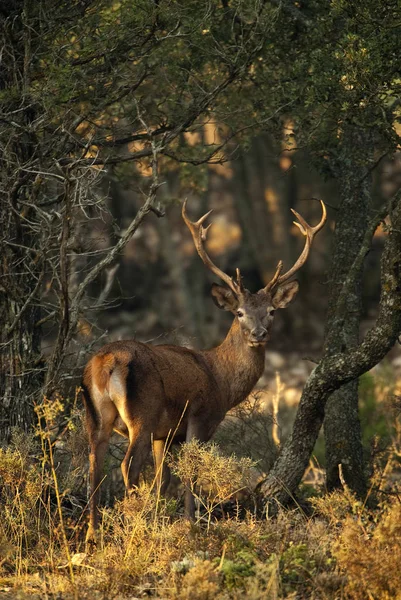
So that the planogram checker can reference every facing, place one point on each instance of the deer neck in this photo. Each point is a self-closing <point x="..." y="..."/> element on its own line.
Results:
<point x="236" y="366"/>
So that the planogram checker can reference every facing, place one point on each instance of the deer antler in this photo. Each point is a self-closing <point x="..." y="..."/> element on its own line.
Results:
<point x="199" y="234"/>
<point x="309" y="233"/>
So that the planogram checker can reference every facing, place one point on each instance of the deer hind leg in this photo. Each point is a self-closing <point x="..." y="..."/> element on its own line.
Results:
<point x="131" y="423"/>
<point x="100" y="429"/>
<point x="162" y="471"/>
<point x="137" y="452"/>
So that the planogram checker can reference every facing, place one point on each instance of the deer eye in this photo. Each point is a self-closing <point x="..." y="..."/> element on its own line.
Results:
<point x="271" y="312"/>
<point x="240" y="313"/>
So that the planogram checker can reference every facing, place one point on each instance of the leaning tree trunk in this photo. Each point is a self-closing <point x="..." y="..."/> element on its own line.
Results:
<point x="336" y="370"/>
<point x="342" y="430"/>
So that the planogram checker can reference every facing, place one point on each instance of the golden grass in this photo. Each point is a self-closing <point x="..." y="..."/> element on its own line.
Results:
<point x="347" y="549"/>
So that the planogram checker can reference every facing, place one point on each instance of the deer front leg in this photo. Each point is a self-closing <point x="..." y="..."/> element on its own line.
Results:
<point x="200" y="431"/>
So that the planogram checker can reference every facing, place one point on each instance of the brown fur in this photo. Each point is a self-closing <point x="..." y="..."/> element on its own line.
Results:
<point x="101" y="367"/>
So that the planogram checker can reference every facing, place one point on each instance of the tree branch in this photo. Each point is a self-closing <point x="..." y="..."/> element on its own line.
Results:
<point x="359" y="260"/>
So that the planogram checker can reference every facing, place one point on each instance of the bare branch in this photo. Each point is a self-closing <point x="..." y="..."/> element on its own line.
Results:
<point x="26" y="304"/>
<point x="110" y="276"/>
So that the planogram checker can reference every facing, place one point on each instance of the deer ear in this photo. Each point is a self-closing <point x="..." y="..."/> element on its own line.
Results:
<point x="224" y="298"/>
<point x="285" y="294"/>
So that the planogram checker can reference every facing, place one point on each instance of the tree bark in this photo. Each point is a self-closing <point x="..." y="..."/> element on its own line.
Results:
<point x="343" y="367"/>
<point x="342" y="429"/>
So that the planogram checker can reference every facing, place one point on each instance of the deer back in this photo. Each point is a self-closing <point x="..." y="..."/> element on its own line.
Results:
<point x="160" y="385"/>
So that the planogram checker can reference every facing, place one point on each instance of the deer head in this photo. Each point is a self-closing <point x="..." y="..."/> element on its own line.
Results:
<point x="254" y="311"/>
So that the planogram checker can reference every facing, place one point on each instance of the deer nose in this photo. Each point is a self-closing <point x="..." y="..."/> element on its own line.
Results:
<point x="259" y="333"/>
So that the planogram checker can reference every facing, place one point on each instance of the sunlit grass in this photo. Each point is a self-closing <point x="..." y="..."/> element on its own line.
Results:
<point x="342" y="547"/>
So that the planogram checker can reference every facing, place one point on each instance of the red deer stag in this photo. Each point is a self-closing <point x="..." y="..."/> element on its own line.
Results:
<point x="148" y="393"/>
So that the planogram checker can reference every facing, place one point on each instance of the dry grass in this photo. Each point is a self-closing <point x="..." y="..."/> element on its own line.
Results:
<point x="346" y="550"/>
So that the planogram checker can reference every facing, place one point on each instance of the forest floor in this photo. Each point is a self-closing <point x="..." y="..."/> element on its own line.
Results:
<point x="323" y="547"/>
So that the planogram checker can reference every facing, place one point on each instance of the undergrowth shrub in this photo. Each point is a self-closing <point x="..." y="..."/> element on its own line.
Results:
<point x="248" y="432"/>
<point x="370" y="555"/>
<point x="212" y="477"/>
<point x="201" y="582"/>
<point x="22" y="482"/>
<point x="35" y="524"/>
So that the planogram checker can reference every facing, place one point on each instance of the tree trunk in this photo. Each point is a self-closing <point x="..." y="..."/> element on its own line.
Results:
<point x="342" y="430"/>
<point x="336" y="370"/>
<point x="251" y="241"/>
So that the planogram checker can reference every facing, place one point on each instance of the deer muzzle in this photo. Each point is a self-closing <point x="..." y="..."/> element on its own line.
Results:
<point x="258" y="336"/>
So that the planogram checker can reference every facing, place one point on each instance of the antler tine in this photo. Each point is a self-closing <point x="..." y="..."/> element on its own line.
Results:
<point x="199" y="234"/>
<point x="239" y="281"/>
<point x="276" y="275"/>
<point x="304" y="226"/>
<point x="309" y="232"/>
